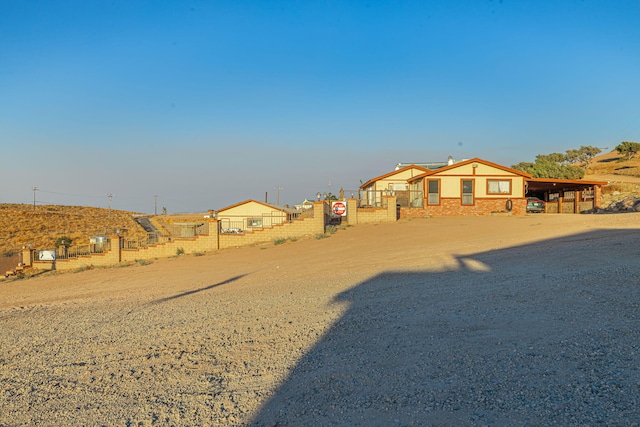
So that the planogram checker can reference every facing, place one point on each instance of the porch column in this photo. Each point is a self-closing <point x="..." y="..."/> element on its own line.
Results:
<point x="597" y="196"/>
<point x="560" y="201"/>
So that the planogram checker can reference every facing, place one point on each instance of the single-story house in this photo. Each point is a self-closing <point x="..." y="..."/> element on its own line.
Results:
<point x="480" y="187"/>
<point x="251" y="215"/>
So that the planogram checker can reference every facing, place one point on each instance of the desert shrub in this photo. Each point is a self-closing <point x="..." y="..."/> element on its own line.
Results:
<point x="63" y="241"/>
<point x="621" y="187"/>
<point x="322" y="236"/>
<point x="143" y="262"/>
<point x="179" y="251"/>
<point x="279" y="241"/>
<point x="332" y="229"/>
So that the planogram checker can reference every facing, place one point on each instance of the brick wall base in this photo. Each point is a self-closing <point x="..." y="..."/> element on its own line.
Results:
<point x="453" y="207"/>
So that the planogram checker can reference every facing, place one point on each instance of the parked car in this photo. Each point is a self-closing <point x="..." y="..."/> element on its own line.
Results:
<point x="535" y="205"/>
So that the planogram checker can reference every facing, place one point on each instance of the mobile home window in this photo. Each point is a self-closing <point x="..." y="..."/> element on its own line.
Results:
<point x="433" y="191"/>
<point x="498" y="186"/>
<point x="467" y="192"/>
<point x="254" y="222"/>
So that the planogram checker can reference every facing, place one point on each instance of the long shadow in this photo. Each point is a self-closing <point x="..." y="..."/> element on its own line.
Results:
<point x="195" y="291"/>
<point x="540" y="334"/>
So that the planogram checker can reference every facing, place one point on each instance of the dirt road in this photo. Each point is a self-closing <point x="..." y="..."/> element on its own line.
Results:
<point x="444" y="321"/>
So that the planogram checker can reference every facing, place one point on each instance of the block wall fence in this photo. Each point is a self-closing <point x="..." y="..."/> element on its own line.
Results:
<point x="305" y="227"/>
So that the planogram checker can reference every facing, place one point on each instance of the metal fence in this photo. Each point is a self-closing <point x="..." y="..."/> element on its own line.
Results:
<point x="187" y="230"/>
<point x="152" y="239"/>
<point x="77" y="251"/>
<point x="378" y="199"/>
<point x="242" y="223"/>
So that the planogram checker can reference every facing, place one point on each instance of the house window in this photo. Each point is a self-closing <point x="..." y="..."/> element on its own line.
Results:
<point x="433" y="192"/>
<point x="467" y="191"/>
<point x="498" y="186"/>
<point x="254" y="222"/>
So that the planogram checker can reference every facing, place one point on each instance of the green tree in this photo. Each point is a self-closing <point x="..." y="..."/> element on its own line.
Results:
<point x="628" y="149"/>
<point x="556" y="158"/>
<point x="584" y="155"/>
<point x="550" y="166"/>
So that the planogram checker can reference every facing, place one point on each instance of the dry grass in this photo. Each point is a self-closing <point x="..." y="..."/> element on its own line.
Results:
<point x="612" y="163"/>
<point x="21" y="224"/>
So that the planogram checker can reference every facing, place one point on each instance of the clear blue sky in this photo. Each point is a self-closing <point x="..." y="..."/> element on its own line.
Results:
<point x="208" y="103"/>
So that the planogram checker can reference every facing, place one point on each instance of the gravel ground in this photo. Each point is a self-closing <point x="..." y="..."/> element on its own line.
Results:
<point x="527" y="320"/>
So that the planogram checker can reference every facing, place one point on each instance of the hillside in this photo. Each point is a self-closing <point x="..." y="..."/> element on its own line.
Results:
<point x="622" y="175"/>
<point x="21" y="224"/>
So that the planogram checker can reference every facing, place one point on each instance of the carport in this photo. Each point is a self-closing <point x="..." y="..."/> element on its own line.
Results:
<point x="564" y="195"/>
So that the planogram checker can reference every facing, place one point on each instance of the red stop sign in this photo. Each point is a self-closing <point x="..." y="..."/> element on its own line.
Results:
<point x="339" y="208"/>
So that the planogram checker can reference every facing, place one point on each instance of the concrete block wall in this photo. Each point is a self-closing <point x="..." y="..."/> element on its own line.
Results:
<point x="110" y="257"/>
<point x="296" y="229"/>
<point x="308" y="226"/>
<point x="192" y="245"/>
<point x="378" y="215"/>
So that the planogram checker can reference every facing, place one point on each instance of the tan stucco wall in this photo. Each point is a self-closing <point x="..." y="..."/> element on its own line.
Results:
<point x="451" y="181"/>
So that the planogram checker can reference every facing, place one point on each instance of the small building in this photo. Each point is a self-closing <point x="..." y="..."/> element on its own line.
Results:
<point x="252" y="215"/>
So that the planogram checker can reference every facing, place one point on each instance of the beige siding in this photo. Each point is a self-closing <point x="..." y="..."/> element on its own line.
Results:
<point x="451" y="181"/>
<point x="247" y="209"/>
<point x="393" y="182"/>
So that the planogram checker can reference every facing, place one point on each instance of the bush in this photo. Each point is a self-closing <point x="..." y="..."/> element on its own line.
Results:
<point x="179" y="251"/>
<point x="63" y="241"/>
<point x="279" y="241"/>
<point x="321" y="236"/>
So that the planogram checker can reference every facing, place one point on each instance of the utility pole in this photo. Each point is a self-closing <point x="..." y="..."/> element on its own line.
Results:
<point x="109" y="197"/>
<point x="34" y="197"/>
<point x="155" y="204"/>
<point x="279" y="188"/>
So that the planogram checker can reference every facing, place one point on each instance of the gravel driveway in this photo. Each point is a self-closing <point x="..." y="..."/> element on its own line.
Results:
<point x="460" y="321"/>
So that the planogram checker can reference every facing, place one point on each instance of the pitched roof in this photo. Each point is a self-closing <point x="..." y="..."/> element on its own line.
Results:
<point x="394" y="172"/>
<point x="466" y="162"/>
<point x="279" y="208"/>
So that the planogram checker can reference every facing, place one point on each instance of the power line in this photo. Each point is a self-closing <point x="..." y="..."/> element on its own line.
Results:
<point x="68" y="194"/>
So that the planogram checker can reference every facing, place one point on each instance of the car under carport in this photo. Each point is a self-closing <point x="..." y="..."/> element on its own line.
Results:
<point x="566" y="196"/>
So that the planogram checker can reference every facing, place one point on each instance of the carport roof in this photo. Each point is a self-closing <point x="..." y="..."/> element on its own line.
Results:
<point x="550" y="184"/>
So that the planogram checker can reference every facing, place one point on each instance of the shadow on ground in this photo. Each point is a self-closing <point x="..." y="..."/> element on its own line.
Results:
<point x="541" y="334"/>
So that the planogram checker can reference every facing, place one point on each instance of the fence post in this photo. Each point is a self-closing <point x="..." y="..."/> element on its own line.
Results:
<point x="27" y="259"/>
<point x="116" y="249"/>
<point x="392" y="213"/>
<point x="352" y="211"/>
<point x="318" y="217"/>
